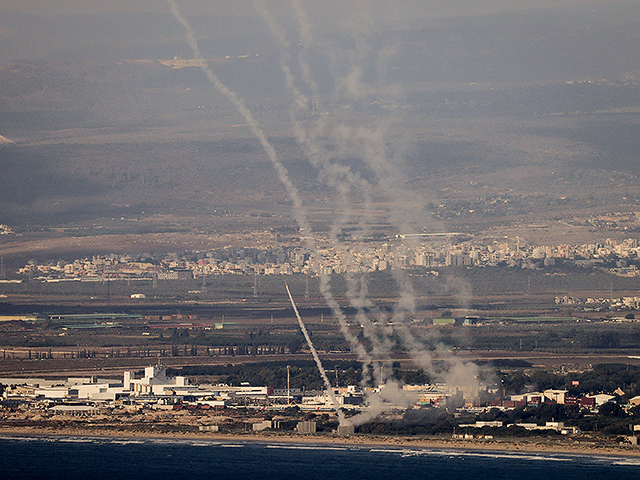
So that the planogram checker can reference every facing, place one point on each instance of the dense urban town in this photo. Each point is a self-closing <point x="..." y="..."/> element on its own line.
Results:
<point x="406" y="251"/>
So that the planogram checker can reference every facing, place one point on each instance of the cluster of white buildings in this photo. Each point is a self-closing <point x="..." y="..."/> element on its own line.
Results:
<point x="556" y="426"/>
<point x="597" y="304"/>
<point x="156" y="390"/>
<point x="405" y="251"/>
<point x="154" y="385"/>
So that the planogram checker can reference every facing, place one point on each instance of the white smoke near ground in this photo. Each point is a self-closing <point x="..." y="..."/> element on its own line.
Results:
<point x="325" y="140"/>
<point x="390" y="395"/>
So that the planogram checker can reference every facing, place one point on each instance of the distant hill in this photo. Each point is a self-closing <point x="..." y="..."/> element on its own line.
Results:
<point x="482" y="119"/>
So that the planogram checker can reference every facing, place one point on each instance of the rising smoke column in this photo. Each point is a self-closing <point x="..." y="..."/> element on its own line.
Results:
<point x="368" y="143"/>
<point x="381" y="345"/>
<point x="351" y="86"/>
<point x="339" y="176"/>
<point x="323" y="374"/>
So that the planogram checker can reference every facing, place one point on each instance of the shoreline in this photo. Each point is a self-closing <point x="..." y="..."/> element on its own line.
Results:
<point x="499" y="445"/>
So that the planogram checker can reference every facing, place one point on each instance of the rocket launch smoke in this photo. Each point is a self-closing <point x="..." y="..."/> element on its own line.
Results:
<point x="323" y="374"/>
<point x="325" y="141"/>
<point x="370" y="145"/>
<point x="242" y="109"/>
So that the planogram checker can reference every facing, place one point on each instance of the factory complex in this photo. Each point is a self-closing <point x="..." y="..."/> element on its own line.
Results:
<point x="156" y="389"/>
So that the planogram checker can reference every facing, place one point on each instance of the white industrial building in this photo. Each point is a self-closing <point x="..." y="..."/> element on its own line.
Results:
<point x="85" y="388"/>
<point x="155" y="382"/>
<point x="100" y="391"/>
<point x="601" y="398"/>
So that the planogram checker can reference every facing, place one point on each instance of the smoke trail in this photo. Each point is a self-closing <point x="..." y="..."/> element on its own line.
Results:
<point x="381" y="346"/>
<point x="305" y="27"/>
<point x="323" y="374"/>
<point x="365" y="142"/>
<point x="298" y="209"/>
<point x="338" y="176"/>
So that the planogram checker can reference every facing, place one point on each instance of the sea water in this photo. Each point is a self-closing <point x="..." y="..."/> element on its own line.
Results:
<point x="110" y="458"/>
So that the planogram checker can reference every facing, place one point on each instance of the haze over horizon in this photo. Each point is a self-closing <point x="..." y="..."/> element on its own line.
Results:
<point x="532" y="99"/>
<point x="400" y="8"/>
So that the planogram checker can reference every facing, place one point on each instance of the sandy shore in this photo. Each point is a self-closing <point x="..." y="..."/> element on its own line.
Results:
<point x="507" y="445"/>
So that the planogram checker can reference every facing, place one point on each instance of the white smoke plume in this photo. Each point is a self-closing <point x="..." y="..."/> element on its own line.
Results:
<point x="325" y="140"/>
<point x="338" y="176"/>
<point x="390" y="395"/>
<point x="381" y="346"/>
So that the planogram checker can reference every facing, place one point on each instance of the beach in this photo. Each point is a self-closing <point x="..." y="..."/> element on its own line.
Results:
<point x="532" y="445"/>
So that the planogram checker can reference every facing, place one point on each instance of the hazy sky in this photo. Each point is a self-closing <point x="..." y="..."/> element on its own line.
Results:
<point x="433" y="7"/>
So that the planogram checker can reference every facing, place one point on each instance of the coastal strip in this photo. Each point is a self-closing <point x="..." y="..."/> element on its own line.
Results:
<point x="518" y="445"/>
